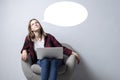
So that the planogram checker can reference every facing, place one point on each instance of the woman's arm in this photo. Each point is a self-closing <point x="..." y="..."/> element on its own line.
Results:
<point x="24" y="50"/>
<point x="24" y="55"/>
<point x="65" y="50"/>
<point x="56" y="43"/>
<point x="76" y="56"/>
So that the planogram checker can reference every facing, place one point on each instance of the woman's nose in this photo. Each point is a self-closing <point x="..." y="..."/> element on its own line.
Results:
<point x="35" y="24"/>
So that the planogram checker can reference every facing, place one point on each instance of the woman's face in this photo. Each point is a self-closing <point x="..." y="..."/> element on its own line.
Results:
<point x="35" y="26"/>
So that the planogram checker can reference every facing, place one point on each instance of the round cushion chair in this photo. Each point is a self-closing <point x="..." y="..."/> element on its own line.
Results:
<point x="33" y="71"/>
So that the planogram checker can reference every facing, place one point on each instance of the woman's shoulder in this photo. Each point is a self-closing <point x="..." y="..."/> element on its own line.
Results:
<point x="49" y="35"/>
<point x="27" y="37"/>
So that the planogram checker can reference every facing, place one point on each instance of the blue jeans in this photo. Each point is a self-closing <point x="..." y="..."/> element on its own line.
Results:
<point x="49" y="68"/>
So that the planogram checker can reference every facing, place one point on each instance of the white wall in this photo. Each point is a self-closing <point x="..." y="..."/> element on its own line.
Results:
<point x="97" y="40"/>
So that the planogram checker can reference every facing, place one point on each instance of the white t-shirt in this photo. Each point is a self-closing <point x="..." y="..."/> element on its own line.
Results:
<point x="39" y="44"/>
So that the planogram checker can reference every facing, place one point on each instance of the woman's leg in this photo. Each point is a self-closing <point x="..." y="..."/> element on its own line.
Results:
<point x="44" y="63"/>
<point x="54" y="65"/>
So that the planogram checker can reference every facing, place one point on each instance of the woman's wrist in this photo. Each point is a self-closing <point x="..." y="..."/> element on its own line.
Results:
<point x="24" y="51"/>
<point x="24" y="55"/>
<point x="76" y="56"/>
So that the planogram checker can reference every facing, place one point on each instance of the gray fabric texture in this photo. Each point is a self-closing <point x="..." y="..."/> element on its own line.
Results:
<point x="37" y="69"/>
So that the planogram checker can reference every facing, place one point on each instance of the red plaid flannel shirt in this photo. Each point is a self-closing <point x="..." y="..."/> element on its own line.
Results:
<point x="50" y="41"/>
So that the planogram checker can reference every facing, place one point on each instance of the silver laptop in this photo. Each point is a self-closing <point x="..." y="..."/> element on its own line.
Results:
<point x="50" y="52"/>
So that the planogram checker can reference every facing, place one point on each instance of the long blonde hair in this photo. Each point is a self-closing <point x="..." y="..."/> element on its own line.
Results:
<point x="31" y="34"/>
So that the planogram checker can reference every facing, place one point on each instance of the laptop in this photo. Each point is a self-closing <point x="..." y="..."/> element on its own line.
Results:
<point x="50" y="52"/>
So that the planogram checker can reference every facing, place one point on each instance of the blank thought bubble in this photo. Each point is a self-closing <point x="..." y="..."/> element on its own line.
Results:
<point x="65" y="13"/>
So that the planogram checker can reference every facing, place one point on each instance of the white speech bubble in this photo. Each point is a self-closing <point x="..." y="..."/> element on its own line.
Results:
<point x="65" y="13"/>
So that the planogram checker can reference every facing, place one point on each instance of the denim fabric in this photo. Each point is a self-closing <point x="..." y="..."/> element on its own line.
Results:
<point x="49" y="68"/>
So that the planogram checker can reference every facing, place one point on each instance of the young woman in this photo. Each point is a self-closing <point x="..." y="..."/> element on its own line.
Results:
<point x="37" y="38"/>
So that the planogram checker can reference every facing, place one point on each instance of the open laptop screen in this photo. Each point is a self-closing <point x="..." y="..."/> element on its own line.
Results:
<point x="50" y="52"/>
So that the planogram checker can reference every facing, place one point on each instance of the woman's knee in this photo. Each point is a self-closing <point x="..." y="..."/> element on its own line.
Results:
<point x="56" y="62"/>
<point x="44" y="62"/>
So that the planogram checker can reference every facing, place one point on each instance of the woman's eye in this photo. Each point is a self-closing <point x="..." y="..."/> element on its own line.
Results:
<point x="32" y="24"/>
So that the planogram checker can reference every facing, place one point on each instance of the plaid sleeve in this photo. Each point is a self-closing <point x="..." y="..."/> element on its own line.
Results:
<point x="56" y="43"/>
<point x="26" y="44"/>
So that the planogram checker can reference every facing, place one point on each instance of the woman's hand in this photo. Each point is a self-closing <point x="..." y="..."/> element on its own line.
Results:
<point x="76" y="56"/>
<point x="24" y="55"/>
